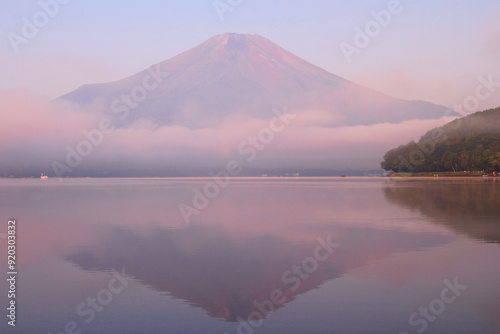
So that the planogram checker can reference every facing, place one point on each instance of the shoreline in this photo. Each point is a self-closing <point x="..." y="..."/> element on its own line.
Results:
<point x="444" y="174"/>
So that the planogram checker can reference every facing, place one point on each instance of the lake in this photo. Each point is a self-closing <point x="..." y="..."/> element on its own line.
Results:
<point x="254" y="255"/>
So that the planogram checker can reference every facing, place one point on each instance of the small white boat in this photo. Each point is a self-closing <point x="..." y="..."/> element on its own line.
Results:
<point x="44" y="177"/>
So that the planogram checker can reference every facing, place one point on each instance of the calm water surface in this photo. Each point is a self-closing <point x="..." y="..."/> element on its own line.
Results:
<point x="353" y="255"/>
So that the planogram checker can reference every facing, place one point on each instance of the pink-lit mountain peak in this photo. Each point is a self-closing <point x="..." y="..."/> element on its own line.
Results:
<point x="249" y="56"/>
<point x="248" y="74"/>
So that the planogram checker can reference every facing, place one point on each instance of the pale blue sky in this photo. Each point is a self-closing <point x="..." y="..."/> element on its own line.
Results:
<point x="432" y="50"/>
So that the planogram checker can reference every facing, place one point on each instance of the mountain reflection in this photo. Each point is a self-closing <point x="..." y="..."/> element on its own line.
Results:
<point x="470" y="206"/>
<point x="211" y="268"/>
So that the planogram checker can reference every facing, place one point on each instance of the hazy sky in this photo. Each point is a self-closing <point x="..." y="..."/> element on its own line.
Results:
<point x="430" y="50"/>
<point x="438" y="51"/>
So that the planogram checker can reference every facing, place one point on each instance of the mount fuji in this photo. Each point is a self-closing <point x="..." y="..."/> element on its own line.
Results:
<point x="240" y="74"/>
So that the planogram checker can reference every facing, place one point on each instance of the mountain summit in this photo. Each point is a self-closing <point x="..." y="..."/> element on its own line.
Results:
<point x="241" y="74"/>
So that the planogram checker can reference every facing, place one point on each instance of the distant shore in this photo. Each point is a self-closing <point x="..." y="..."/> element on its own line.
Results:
<point x="444" y="174"/>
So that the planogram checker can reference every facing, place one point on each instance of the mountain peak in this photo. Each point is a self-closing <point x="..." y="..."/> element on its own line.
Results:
<point x="231" y="37"/>
<point x="240" y="42"/>
<point x="237" y="41"/>
<point x="244" y="43"/>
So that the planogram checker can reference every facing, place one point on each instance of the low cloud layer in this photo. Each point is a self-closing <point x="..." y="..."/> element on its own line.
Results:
<point x="36" y="133"/>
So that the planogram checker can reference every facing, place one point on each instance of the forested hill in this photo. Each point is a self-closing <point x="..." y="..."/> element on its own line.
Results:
<point x="470" y="143"/>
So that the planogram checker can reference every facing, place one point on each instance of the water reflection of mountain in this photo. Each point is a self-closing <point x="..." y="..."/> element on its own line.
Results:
<point x="223" y="274"/>
<point x="467" y="206"/>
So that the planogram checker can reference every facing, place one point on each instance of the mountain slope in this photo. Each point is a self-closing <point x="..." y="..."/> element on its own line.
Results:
<point x="242" y="74"/>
